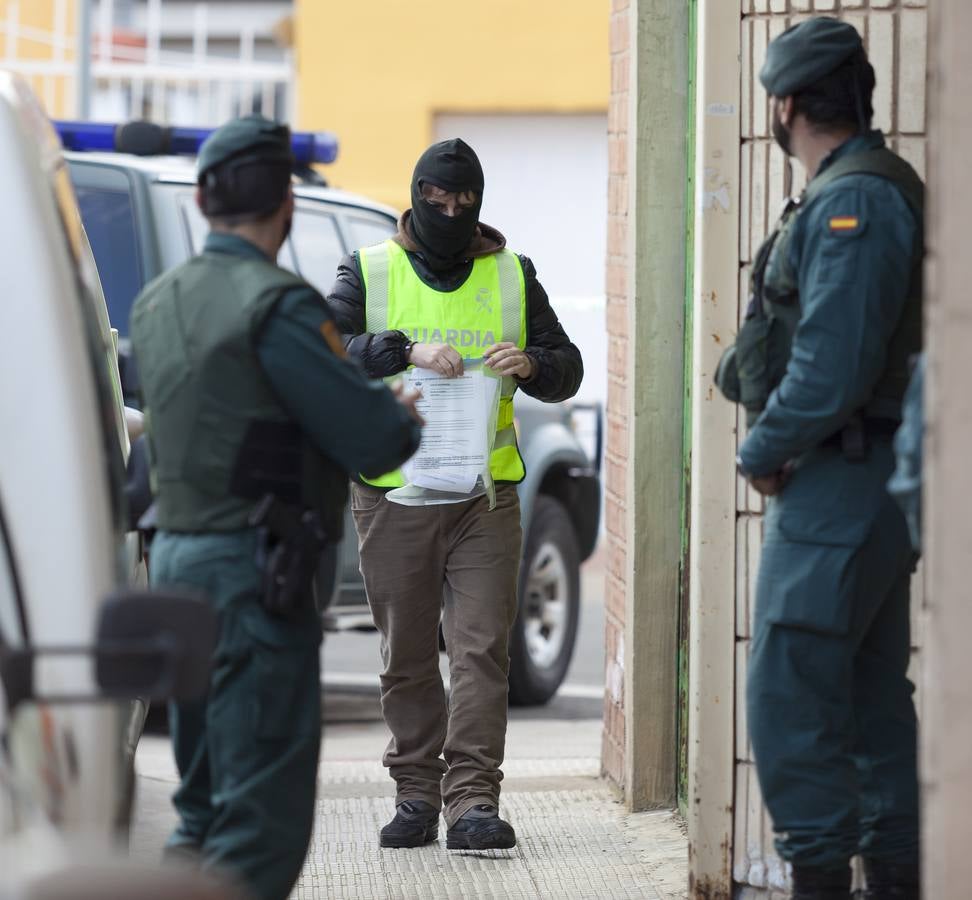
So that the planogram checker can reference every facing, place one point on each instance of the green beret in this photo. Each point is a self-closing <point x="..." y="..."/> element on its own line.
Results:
<point x="806" y="53"/>
<point x="250" y="136"/>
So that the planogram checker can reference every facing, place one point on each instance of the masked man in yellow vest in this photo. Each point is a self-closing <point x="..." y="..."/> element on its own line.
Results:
<point x="445" y="289"/>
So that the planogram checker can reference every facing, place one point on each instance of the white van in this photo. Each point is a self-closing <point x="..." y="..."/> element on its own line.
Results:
<point x="71" y="663"/>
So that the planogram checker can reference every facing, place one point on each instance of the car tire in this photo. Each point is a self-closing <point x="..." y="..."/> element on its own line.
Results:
<point x="542" y="642"/>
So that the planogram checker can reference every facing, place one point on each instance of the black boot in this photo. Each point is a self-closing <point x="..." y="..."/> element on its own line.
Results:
<point x="892" y="881"/>
<point x="816" y="883"/>
<point x="481" y="829"/>
<point x="416" y="823"/>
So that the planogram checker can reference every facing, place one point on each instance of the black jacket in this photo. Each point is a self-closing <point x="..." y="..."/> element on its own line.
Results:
<point x="559" y="365"/>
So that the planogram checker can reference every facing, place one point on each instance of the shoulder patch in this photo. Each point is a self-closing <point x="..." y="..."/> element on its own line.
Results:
<point x="333" y="340"/>
<point x="844" y="223"/>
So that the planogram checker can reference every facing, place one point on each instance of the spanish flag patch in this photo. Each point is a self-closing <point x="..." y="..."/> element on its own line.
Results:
<point x="844" y="223"/>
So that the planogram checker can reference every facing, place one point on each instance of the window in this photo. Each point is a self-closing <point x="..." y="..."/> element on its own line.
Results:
<point x="109" y="219"/>
<point x="198" y="229"/>
<point x="318" y="247"/>
<point x="371" y="230"/>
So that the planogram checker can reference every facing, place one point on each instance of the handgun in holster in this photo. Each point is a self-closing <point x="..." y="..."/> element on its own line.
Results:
<point x="270" y="470"/>
<point x="290" y="543"/>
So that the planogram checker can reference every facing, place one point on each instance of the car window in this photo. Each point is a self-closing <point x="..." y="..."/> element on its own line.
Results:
<point x="109" y="219"/>
<point x="11" y="621"/>
<point x="367" y="230"/>
<point x="198" y="228"/>
<point x="318" y="247"/>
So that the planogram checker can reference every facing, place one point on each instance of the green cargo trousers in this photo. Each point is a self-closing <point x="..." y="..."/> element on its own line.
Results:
<point x="247" y="754"/>
<point x="830" y="708"/>
<point x="458" y="563"/>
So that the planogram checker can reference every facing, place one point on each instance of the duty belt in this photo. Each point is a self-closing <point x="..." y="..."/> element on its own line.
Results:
<point x="855" y="437"/>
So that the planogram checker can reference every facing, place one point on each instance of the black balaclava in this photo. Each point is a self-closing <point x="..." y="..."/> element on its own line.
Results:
<point x="453" y="166"/>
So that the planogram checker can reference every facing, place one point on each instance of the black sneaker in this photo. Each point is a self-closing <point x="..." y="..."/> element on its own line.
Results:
<point x="481" y="829"/>
<point x="416" y="823"/>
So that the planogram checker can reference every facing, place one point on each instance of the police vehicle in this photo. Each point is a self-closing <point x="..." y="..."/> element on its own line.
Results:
<point x="78" y="641"/>
<point x="136" y="189"/>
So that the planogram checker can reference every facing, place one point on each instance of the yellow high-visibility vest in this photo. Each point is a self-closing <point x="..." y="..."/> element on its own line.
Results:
<point x="489" y="307"/>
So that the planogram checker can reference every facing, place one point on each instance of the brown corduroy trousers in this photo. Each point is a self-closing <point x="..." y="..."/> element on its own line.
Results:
<point x="457" y="562"/>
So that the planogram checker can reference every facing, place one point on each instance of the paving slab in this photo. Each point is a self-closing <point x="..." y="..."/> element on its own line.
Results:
<point x="571" y="844"/>
<point x="575" y="840"/>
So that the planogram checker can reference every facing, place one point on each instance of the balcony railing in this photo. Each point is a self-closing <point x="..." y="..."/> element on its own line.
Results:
<point x="134" y="75"/>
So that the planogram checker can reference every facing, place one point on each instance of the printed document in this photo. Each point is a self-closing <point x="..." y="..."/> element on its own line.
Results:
<point x="456" y="439"/>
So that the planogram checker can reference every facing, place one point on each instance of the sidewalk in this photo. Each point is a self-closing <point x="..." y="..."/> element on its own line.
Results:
<point x="574" y="839"/>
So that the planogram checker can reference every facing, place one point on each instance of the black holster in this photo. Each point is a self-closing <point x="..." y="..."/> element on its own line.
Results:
<point x="290" y="543"/>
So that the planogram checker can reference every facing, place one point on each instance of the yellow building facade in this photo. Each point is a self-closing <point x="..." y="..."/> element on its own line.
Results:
<point x="379" y="73"/>
<point x="37" y="40"/>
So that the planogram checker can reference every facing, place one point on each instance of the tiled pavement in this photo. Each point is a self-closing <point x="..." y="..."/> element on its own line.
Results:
<point x="574" y="839"/>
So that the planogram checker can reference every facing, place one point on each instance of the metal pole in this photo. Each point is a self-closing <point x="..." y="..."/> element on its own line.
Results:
<point x="83" y="60"/>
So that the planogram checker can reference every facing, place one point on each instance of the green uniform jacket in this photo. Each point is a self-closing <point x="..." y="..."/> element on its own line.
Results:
<point x="853" y="283"/>
<point x="352" y="421"/>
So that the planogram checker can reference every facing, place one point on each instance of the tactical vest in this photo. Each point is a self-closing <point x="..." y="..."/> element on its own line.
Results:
<point x="750" y="370"/>
<point x="489" y="307"/>
<point x="219" y="438"/>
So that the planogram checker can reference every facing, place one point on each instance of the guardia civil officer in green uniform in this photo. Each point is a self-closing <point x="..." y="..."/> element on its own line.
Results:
<point x="821" y="364"/>
<point x="255" y="419"/>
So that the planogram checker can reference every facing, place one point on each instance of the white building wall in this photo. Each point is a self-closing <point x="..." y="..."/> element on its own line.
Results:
<point x="546" y="190"/>
<point x="946" y="663"/>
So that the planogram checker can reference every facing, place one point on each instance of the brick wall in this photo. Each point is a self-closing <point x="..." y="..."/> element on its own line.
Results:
<point x="616" y="450"/>
<point x="895" y="32"/>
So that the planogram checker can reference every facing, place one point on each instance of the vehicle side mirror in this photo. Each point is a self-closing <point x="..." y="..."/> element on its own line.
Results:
<point x="157" y="645"/>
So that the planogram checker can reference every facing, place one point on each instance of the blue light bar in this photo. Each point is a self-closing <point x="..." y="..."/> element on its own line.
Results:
<point x="86" y="135"/>
<point x="145" y="139"/>
<point x="314" y="147"/>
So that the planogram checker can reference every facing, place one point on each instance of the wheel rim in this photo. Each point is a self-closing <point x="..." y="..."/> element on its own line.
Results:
<point x="545" y="611"/>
